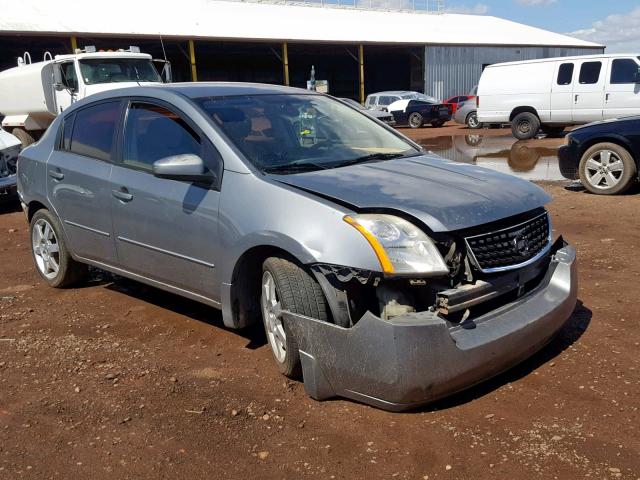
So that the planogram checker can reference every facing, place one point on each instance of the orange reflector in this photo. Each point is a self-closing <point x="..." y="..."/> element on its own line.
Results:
<point x="383" y="258"/>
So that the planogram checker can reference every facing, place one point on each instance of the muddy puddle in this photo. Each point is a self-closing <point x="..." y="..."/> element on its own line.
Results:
<point x="505" y="154"/>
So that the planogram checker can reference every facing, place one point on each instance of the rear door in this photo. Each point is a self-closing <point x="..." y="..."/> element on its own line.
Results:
<point x="562" y="92"/>
<point x="78" y="179"/>
<point x="166" y="230"/>
<point x="622" y="93"/>
<point x="588" y="90"/>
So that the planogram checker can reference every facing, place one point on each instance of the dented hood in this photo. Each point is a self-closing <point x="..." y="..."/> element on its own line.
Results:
<point x="446" y="196"/>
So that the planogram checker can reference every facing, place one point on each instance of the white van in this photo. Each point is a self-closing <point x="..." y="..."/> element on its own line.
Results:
<point x="552" y="93"/>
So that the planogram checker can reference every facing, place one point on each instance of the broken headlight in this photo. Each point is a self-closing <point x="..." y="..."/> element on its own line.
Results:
<point x="401" y="247"/>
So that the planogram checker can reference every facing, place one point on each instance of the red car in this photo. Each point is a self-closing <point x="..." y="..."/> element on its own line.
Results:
<point x="455" y="101"/>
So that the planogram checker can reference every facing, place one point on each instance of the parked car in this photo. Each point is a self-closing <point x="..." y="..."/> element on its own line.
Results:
<point x="382" y="273"/>
<point x="553" y="93"/>
<point x="603" y="155"/>
<point x="9" y="150"/>
<point x="467" y="114"/>
<point x="417" y="113"/>
<point x="381" y="115"/>
<point x="382" y="100"/>
<point x="455" y="102"/>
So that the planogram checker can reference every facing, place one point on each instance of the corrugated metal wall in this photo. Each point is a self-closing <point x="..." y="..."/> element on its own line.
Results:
<point x="455" y="70"/>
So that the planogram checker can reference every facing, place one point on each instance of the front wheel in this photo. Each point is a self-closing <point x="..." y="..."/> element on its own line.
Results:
<point x="415" y="120"/>
<point x="607" y="169"/>
<point x="525" y="126"/>
<point x="50" y="254"/>
<point x="286" y="286"/>
<point x="472" y="121"/>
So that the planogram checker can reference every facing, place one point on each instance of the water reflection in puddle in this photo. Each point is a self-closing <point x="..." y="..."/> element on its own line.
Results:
<point x="502" y="153"/>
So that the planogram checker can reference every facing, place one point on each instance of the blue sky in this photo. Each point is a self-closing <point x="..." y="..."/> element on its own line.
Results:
<point x="615" y="23"/>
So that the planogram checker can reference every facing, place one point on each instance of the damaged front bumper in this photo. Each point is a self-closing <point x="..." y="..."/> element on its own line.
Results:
<point x="417" y="358"/>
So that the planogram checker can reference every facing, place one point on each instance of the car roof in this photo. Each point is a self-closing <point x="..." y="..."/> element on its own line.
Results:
<point x="223" y="89"/>
<point x="393" y="92"/>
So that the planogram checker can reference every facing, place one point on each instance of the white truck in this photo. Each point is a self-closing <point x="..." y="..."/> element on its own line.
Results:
<point x="33" y="94"/>
<point x="553" y="93"/>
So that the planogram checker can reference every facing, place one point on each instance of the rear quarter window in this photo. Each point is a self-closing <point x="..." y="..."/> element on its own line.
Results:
<point x="624" y="70"/>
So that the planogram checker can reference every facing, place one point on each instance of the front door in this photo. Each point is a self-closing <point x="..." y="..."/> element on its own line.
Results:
<point x="588" y="90"/>
<point x="622" y="93"/>
<point x="562" y="93"/>
<point x="78" y="179"/>
<point x="166" y="230"/>
<point x="69" y="91"/>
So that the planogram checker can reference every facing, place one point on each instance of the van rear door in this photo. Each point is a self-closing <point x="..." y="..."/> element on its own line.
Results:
<point x="588" y="90"/>
<point x="622" y="92"/>
<point x="562" y="92"/>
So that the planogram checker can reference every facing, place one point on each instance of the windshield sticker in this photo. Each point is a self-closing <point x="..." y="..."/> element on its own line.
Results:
<point x="307" y="119"/>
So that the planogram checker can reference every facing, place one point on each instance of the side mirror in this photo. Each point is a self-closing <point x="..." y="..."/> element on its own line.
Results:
<point x="187" y="167"/>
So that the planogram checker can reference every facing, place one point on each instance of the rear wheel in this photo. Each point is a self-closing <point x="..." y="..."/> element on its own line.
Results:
<point x="286" y="286"/>
<point x="525" y="126"/>
<point x="415" y="120"/>
<point x="472" y="121"/>
<point x="25" y="137"/>
<point x="50" y="254"/>
<point x="607" y="169"/>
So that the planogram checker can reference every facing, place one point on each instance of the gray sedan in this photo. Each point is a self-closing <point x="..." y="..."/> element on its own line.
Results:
<point x="467" y="114"/>
<point x="380" y="273"/>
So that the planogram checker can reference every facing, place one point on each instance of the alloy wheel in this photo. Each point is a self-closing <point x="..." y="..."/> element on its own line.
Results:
<point x="272" y="317"/>
<point x="46" y="249"/>
<point x="604" y="169"/>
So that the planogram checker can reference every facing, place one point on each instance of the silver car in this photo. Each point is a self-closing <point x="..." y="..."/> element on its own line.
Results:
<point x="467" y="114"/>
<point x="381" y="273"/>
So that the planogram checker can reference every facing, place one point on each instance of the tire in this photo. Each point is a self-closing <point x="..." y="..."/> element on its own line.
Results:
<point x="437" y="123"/>
<point x="25" y="137"/>
<point x="50" y="253"/>
<point x="525" y="126"/>
<point x="472" y="121"/>
<point x="415" y="120"/>
<point x="607" y="169"/>
<point x="294" y="289"/>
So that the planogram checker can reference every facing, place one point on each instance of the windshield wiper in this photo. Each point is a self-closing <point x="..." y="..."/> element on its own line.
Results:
<point x="294" y="168"/>
<point x="374" y="157"/>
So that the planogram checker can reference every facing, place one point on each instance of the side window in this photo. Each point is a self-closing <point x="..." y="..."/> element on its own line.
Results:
<point x="462" y="99"/>
<point x="386" y="101"/>
<point x="152" y="132"/>
<point x="93" y="130"/>
<point x="624" y="70"/>
<point x="590" y="72"/>
<point x="565" y="74"/>
<point x="369" y="102"/>
<point x="69" y="77"/>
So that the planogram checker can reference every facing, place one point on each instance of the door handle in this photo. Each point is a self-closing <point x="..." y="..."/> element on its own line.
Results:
<point x="122" y="194"/>
<point x="607" y="97"/>
<point x="577" y="96"/>
<point x="56" y="174"/>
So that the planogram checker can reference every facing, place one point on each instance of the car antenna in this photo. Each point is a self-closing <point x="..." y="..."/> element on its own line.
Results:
<point x="164" y="53"/>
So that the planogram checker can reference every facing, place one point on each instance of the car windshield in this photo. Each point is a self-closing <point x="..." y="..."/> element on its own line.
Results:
<point x="114" y="70"/>
<point x="302" y="132"/>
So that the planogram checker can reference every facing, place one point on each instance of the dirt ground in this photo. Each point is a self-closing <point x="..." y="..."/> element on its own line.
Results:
<point x="118" y="380"/>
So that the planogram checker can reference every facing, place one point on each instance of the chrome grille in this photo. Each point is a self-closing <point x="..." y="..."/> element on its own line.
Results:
<point x="511" y="247"/>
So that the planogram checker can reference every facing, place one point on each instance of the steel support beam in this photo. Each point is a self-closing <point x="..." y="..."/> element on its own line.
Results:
<point x="285" y="62"/>
<point x="361" y="70"/>
<point x="192" y="61"/>
<point x="74" y="44"/>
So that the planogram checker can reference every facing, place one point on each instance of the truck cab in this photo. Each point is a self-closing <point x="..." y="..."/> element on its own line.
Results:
<point x="33" y="94"/>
